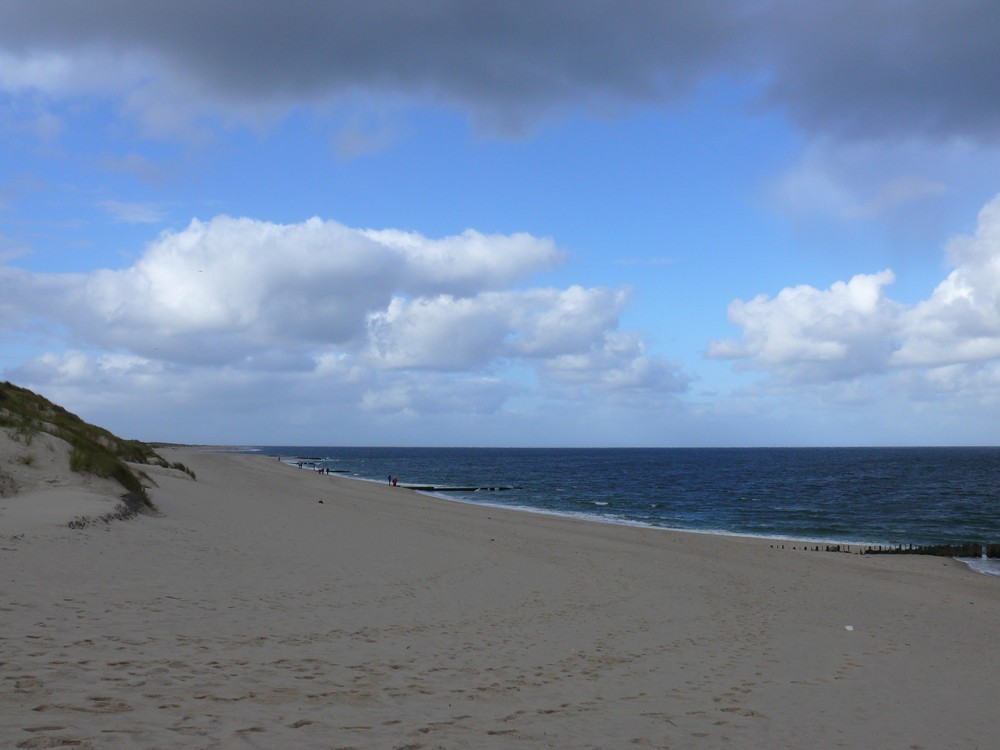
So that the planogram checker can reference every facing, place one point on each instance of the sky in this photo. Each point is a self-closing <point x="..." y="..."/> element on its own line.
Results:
<point x="529" y="223"/>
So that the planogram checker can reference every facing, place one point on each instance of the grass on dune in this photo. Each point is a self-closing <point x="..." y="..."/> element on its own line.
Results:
<point x="93" y="450"/>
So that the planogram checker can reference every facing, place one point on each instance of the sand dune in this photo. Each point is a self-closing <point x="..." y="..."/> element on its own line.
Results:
<point x="37" y="488"/>
<point x="273" y="607"/>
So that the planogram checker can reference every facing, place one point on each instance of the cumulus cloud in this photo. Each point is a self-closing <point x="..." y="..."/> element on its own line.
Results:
<point x="960" y="322"/>
<point x="468" y="262"/>
<point x="854" y="329"/>
<point x="813" y="334"/>
<point x="440" y="332"/>
<point x="862" y="69"/>
<point x="394" y="317"/>
<point x="618" y="364"/>
<point x="445" y="332"/>
<point x="226" y="289"/>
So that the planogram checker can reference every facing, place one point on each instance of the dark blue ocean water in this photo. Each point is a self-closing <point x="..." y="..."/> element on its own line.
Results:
<point x="893" y="496"/>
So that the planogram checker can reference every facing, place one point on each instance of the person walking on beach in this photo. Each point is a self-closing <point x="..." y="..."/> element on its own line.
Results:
<point x="394" y="480"/>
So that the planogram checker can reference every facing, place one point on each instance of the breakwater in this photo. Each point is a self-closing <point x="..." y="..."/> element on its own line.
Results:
<point x="967" y="549"/>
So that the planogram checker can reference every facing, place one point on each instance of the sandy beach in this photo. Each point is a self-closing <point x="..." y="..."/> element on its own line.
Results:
<point x="267" y="606"/>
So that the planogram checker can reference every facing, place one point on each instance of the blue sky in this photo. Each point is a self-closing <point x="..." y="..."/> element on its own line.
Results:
<point x="546" y="223"/>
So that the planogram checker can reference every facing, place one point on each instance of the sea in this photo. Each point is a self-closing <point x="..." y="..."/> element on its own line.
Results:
<point x="872" y="496"/>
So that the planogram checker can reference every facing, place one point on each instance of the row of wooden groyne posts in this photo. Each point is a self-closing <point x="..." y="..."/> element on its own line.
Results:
<point x="311" y="463"/>
<point x="965" y="549"/>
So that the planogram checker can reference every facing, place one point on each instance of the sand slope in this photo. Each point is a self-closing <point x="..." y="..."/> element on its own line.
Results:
<point x="250" y="614"/>
<point x="37" y="488"/>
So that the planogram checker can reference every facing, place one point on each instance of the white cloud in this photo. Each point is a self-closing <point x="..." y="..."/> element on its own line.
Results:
<point x="619" y="364"/>
<point x="468" y="262"/>
<point x="570" y="337"/>
<point x="223" y="290"/>
<point x="815" y="335"/>
<point x="395" y="319"/>
<point x="439" y="333"/>
<point x="960" y="322"/>
<point x="572" y="320"/>
<point x="854" y="330"/>
<point x="449" y="333"/>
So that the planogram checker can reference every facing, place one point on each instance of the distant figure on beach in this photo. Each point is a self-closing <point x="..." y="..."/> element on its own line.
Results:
<point x="394" y="480"/>
<point x="389" y="480"/>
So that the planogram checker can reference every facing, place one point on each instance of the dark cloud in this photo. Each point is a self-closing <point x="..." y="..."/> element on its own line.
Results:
<point x="525" y="55"/>
<point x="855" y="69"/>
<point x="883" y="69"/>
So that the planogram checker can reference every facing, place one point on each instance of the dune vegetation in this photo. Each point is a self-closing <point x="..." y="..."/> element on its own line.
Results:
<point x="93" y="450"/>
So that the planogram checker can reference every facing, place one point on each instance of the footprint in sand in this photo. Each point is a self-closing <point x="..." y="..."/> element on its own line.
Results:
<point x="35" y="743"/>
<point x="98" y="705"/>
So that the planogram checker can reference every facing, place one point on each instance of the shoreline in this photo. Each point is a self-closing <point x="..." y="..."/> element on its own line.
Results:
<point x="717" y="537"/>
<point x="809" y="544"/>
<point x="269" y="606"/>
